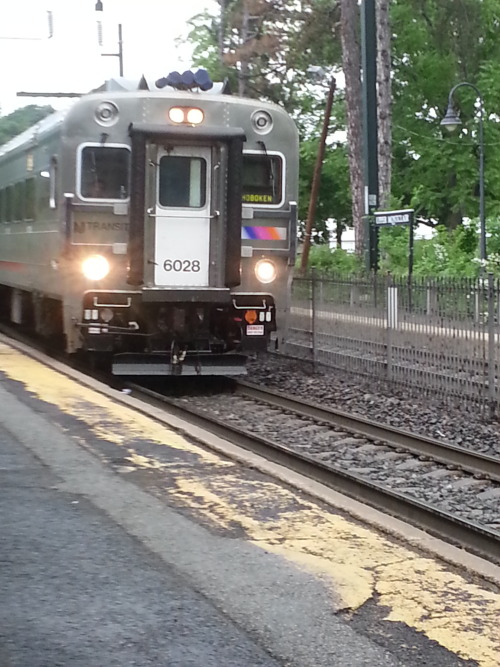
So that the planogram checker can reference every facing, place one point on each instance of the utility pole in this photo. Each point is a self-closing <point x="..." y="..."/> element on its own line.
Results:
<point x="317" y="178"/>
<point x="99" y="8"/>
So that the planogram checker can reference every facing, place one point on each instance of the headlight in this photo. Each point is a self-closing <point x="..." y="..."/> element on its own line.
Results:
<point x="95" y="267"/>
<point x="265" y="271"/>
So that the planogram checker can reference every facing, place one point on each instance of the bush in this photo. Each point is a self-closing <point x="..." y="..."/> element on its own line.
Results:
<point x="325" y="260"/>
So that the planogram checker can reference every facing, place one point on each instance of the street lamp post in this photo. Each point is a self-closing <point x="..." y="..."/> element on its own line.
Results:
<point x="451" y="121"/>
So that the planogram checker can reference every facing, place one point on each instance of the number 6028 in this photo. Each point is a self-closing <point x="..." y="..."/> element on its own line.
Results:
<point x="182" y="265"/>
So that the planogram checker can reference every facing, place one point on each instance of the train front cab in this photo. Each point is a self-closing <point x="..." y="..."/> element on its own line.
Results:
<point x="190" y="310"/>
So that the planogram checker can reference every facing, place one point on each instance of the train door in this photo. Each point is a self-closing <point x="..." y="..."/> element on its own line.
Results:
<point x="182" y="217"/>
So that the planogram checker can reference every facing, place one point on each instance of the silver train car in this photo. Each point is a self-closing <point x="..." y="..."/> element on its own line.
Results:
<point x="154" y="227"/>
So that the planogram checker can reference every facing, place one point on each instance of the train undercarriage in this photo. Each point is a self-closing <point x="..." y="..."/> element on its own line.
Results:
<point x="159" y="337"/>
<point x="153" y="338"/>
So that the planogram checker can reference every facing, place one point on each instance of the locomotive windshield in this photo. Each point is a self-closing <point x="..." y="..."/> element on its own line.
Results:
<point x="262" y="179"/>
<point x="104" y="172"/>
<point x="182" y="181"/>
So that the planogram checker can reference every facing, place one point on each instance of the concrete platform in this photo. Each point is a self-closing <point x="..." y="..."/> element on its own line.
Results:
<point x="125" y="543"/>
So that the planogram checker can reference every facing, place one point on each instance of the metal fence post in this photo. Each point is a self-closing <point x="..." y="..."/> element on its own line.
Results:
<point x="431" y="305"/>
<point x="392" y="321"/>
<point x="314" y="315"/>
<point x="478" y="292"/>
<point x="286" y="328"/>
<point x="492" y="398"/>
<point x="354" y="295"/>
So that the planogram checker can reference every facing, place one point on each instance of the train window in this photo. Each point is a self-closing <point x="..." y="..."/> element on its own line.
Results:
<point x="18" y="207"/>
<point x="104" y="172"/>
<point x="52" y="182"/>
<point x="183" y="181"/>
<point x="44" y="200"/>
<point x="8" y="204"/>
<point x="262" y="178"/>
<point x="29" y="199"/>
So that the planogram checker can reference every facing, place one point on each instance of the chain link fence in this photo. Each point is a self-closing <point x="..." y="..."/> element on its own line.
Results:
<point x="437" y="336"/>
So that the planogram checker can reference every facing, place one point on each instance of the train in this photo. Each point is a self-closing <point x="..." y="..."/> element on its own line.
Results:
<point x="153" y="225"/>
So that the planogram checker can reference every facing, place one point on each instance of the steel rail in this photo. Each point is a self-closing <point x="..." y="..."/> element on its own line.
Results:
<point x="467" y="535"/>
<point x="446" y="453"/>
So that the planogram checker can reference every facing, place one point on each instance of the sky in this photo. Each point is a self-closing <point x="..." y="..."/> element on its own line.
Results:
<point x="71" y="60"/>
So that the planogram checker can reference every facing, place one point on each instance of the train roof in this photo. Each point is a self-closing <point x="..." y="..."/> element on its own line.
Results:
<point x="117" y="84"/>
<point x="122" y="87"/>
<point x="30" y="135"/>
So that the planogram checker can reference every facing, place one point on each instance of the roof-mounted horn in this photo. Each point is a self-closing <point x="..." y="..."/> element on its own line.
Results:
<point x="188" y="80"/>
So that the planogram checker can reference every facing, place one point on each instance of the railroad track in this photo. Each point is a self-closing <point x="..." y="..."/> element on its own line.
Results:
<point x="275" y="420"/>
<point x="282" y="418"/>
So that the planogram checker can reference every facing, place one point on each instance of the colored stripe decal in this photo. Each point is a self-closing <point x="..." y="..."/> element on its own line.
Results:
<point x="263" y="233"/>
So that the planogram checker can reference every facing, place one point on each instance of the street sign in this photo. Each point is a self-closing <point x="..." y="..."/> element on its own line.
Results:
<point x="392" y="218"/>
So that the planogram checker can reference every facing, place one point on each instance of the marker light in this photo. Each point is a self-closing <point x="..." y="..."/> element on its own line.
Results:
<point x="176" y="115"/>
<point x="186" y="115"/>
<point x="95" y="267"/>
<point x="194" y="116"/>
<point x="265" y="271"/>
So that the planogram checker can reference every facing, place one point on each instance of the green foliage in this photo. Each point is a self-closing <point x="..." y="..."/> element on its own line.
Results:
<point x="334" y="201"/>
<point x="393" y="249"/>
<point x="204" y="38"/>
<point x="325" y="260"/>
<point x="451" y="253"/>
<point x="435" y="44"/>
<point x="21" y="119"/>
<point x="269" y="44"/>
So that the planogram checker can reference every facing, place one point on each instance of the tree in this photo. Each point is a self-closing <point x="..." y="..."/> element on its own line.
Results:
<point x="21" y="119"/>
<point x="254" y="44"/>
<point x="351" y="61"/>
<point x="424" y="48"/>
<point x="266" y="46"/>
<point x="235" y="43"/>
<point x="384" y="102"/>
<point x="334" y="200"/>
<point x="437" y="43"/>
